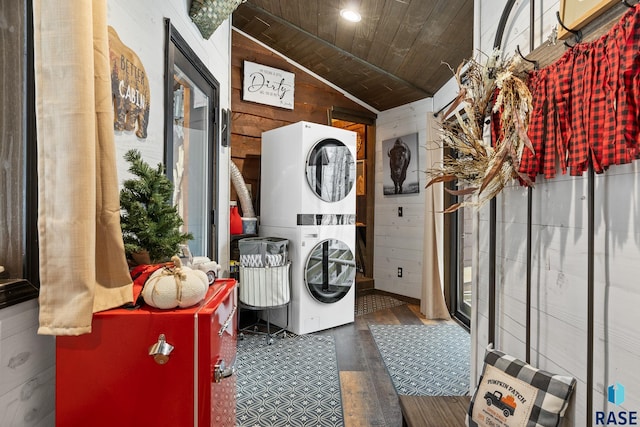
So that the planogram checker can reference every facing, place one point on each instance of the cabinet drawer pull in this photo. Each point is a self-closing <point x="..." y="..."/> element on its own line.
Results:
<point x="221" y="371"/>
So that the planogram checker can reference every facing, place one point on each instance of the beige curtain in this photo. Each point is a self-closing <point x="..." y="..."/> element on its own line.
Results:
<point x="82" y="262"/>
<point x="432" y="303"/>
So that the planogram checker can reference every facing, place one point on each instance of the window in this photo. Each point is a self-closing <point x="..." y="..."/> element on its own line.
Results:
<point x="18" y="172"/>
<point x="460" y="258"/>
<point x="459" y="235"/>
<point x="191" y="135"/>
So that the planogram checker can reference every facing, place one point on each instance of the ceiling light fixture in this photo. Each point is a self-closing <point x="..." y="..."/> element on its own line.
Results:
<point x="350" y="15"/>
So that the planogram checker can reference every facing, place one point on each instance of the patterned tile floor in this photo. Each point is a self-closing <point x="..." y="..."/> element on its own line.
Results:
<point x="369" y="303"/>
<point x="292" y="382"/>
<point x="295" y="381"/>
<point x="425" y="360"/>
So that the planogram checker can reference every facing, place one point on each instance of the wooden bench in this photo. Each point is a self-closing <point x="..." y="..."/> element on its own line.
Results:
<point x="434" y="411"/>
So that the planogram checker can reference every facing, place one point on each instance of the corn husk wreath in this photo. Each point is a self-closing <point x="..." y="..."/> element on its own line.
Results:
<point x="482" y="171"/>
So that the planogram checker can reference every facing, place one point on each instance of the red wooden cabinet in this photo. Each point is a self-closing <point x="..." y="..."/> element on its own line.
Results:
<point x="108" y="378"/>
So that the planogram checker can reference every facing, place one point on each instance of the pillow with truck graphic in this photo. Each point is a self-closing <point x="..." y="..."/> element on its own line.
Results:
<point x="512" y="393"/>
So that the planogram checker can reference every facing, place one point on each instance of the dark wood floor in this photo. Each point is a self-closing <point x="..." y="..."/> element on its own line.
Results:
<point x="368" y="395"/>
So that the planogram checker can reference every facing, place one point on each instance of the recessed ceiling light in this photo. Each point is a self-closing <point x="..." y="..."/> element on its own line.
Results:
<point x="350" y="15"/>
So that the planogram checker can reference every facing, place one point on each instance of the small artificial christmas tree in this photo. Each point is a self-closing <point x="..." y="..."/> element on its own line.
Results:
<point x="148" y="219"/>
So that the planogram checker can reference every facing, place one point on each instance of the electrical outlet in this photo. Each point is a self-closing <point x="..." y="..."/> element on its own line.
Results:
<point x="399" y="210"/>
<point x="399" y="271"/>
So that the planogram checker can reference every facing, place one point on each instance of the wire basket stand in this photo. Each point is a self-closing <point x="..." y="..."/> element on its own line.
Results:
<point x="265" y="289"/>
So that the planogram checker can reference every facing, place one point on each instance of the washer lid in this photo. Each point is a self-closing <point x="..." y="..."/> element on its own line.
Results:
<point x="331" y="170"/>
<point x="330" y="271"/>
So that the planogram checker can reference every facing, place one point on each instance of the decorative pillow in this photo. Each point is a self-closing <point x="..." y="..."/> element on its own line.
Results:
<point x="513" y="393"/>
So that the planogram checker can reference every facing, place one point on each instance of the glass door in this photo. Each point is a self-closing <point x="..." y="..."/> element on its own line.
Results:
<point x="459" y="237"/>
<point x="463" y="285"/>
<point x="189" y="169"/>
<point x="192" y="134"/>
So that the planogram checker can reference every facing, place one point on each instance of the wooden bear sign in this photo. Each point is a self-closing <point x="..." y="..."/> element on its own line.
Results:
<point x="129" y="88"/>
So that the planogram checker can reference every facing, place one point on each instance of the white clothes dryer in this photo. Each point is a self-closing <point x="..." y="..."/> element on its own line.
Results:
<point x="323" y="270"/>
<point x="307" y="176"/>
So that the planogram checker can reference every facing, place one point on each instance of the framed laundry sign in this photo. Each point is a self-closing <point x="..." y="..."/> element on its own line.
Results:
<point x="267" y="85"/>
<point x="575" y="14"/>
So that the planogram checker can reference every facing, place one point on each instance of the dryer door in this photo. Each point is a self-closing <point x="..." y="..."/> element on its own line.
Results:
<point x="330" y="170"/>
<point x="330" y="271"/>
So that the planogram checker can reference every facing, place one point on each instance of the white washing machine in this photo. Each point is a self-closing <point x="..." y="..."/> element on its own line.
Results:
<point x="323" y="270"/>
<point x="307" y="196"/>
<point x="308" y="173"/>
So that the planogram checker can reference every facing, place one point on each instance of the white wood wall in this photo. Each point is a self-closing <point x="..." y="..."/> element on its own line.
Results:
<point x="27" y="369"/>
<point x="559" y="260"/>
<point x="399" y="240"/>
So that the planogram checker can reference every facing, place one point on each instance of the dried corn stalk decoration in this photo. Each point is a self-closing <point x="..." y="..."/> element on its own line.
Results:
<point x="493" y="90"/>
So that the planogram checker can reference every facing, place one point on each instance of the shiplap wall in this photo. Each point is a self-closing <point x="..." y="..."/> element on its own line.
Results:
<point x="560" y="260"/>
<point x="27" y="369"/>
<point x="399" y="241"/>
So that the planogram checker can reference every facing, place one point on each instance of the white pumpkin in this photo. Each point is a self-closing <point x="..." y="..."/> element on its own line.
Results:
<point x="175" y="287"/>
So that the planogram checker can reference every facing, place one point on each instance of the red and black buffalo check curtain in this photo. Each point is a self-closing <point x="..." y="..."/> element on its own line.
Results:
<point x="586" y="105"/>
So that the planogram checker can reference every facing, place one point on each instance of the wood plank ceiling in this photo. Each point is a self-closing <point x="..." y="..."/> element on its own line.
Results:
<point x="397" y="54"/>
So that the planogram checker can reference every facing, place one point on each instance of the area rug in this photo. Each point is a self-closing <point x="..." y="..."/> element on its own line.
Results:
<point x="292" y="382"/>
<point x="369" y="303"/>
<point x="425" y="360"/>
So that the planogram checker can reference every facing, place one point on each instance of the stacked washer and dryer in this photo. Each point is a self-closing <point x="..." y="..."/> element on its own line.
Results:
<point x="308" y="197"/>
